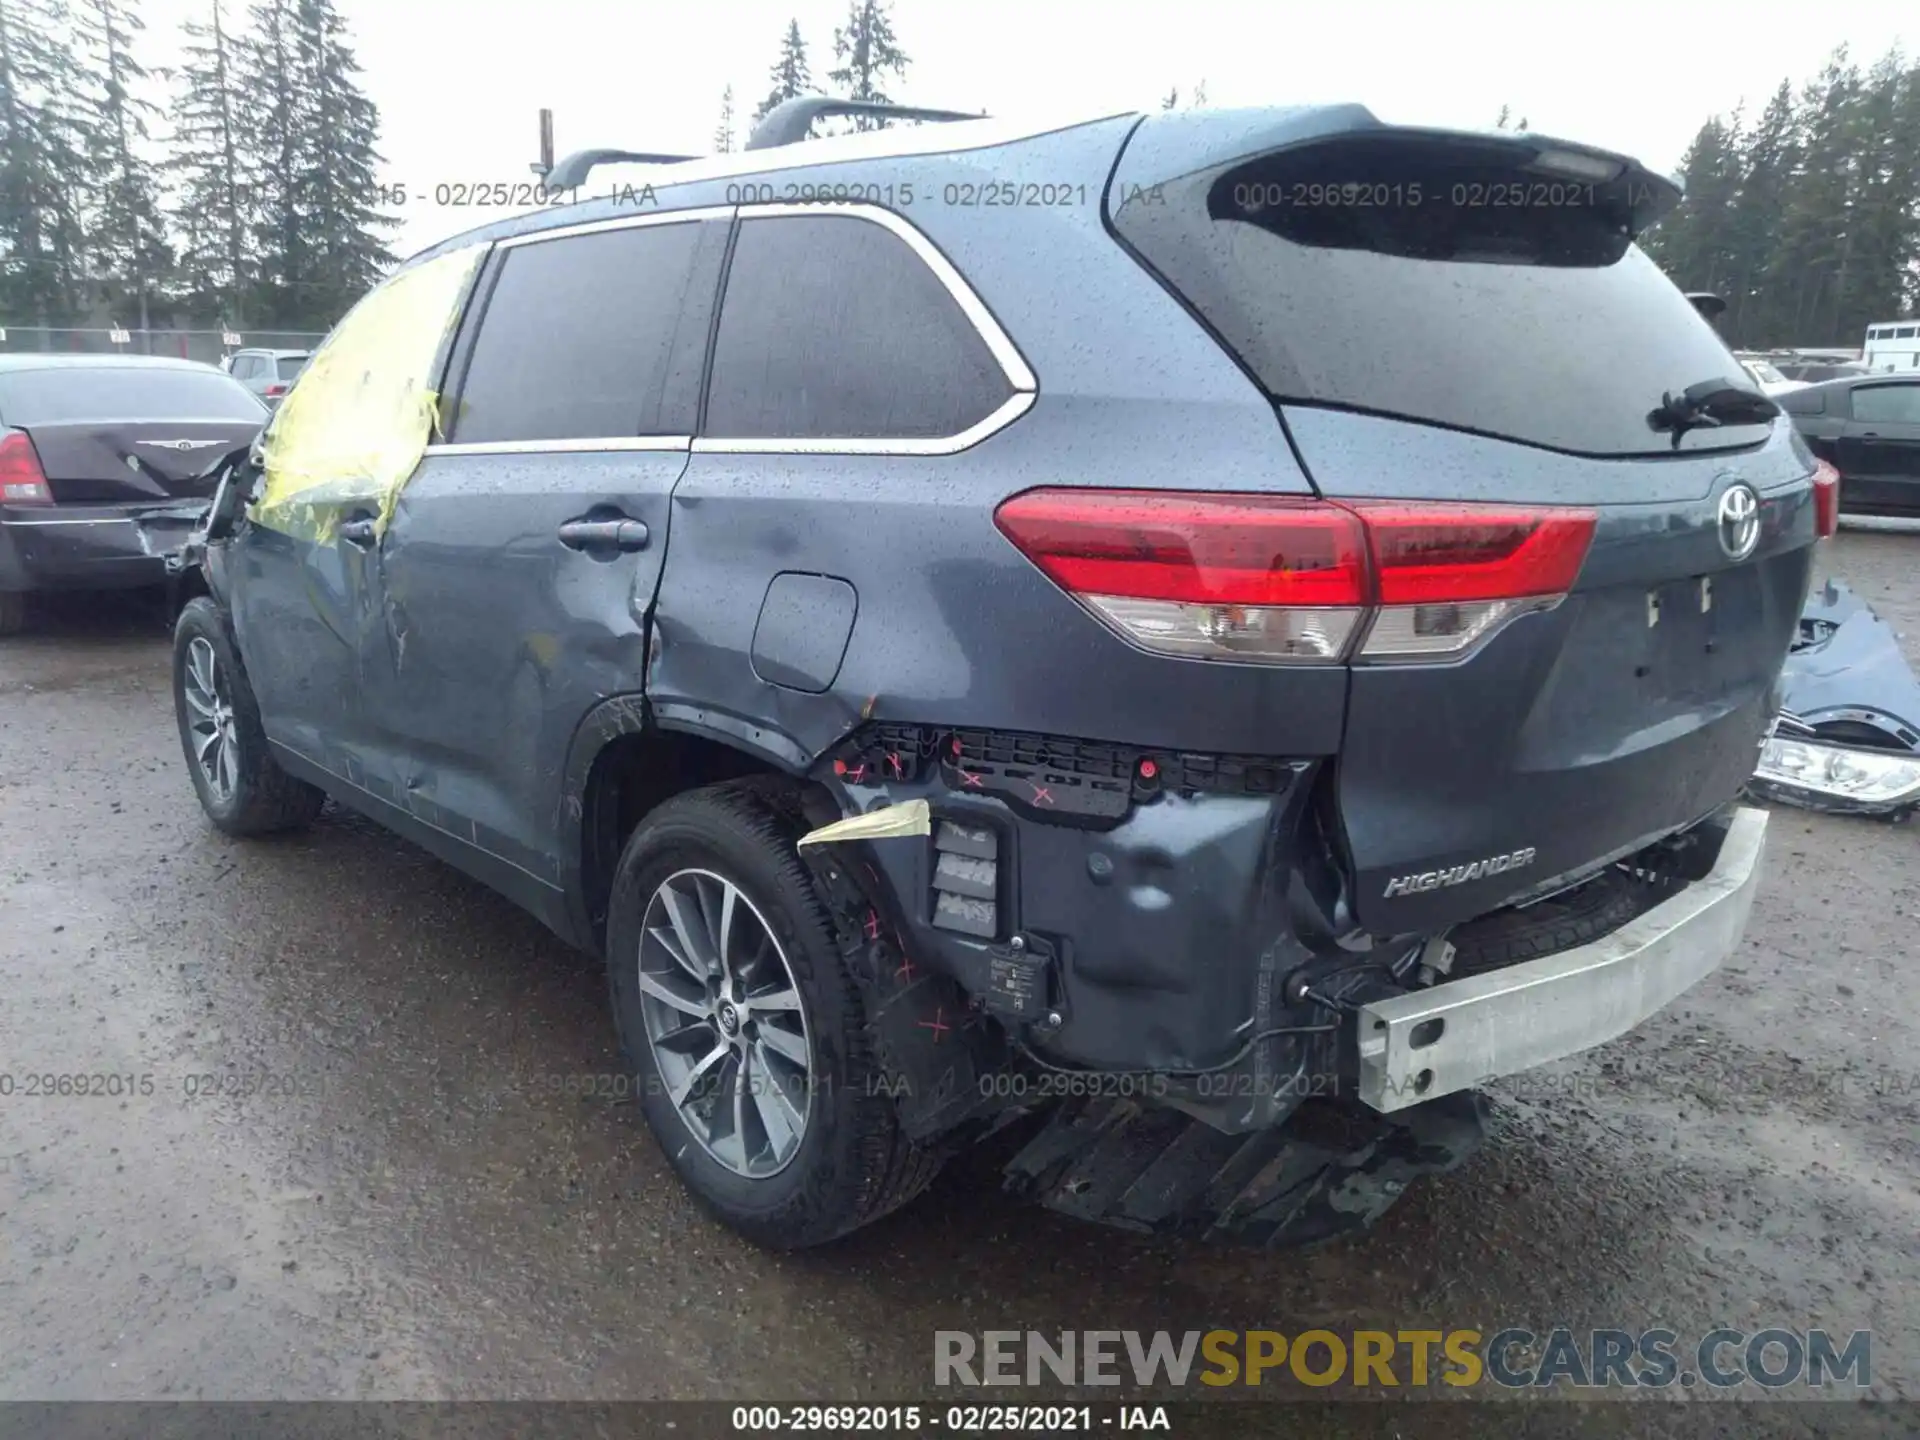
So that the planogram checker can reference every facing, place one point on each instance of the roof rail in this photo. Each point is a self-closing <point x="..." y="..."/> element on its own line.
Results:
<point x="789" y="121"/>
<point x="573" y="170"/>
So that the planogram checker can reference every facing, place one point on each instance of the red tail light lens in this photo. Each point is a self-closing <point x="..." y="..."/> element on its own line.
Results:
<point x="1437" y="554"/>
<point x="1826" y="500"/>
<point x="1197" y="549"/>
<point x="22" y="481"/>
<point x="275" y="391"/>
<point x="1268" y="580"/>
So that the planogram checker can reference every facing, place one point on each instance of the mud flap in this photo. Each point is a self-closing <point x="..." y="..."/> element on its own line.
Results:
<point x="1329" y="1171"/>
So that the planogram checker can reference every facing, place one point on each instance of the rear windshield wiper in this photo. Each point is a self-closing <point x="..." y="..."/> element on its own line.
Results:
<point x="1710" y="403"/>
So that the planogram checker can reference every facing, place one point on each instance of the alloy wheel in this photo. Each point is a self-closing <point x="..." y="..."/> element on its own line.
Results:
<point x="724" y="1021"/>
<point x="210" y="723"/>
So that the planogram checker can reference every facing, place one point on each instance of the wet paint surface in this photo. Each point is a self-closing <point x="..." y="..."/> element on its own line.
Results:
<point x="402" y="1190"/>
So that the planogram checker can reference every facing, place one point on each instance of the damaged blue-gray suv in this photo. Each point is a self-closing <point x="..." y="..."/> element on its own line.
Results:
<point x="1192" y="640"/>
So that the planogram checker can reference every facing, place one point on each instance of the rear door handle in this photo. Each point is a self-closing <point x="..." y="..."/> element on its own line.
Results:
<point x="618" y="534"/>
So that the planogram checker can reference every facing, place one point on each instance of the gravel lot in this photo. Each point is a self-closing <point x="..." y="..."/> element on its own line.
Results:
<point x="417" y="1208"/>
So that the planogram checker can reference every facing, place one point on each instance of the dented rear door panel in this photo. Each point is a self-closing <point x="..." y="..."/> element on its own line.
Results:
<point x="496" y="637"/>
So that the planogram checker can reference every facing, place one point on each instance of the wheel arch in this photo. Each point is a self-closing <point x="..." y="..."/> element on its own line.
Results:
<point x="627" y="756"/>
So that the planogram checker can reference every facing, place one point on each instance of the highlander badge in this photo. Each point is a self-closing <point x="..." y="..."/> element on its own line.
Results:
<point x="1459" y="874"/>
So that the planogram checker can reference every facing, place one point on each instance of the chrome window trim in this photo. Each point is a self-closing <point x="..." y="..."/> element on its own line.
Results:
<point x="551" y="447"/>
<point x="1006" y="354"/>
<point x="1016" y="405"/>
<point x="618" y="222"/>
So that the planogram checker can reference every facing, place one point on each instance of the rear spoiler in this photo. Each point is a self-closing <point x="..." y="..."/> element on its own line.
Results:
<point x="1177" y="145"/>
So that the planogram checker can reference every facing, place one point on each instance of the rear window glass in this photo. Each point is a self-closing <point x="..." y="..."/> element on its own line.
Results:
<point x="1438" y="281"/>
<point x="292" y="365"/>
<point x="594" y="337"/>
<point x="70" y="394"/>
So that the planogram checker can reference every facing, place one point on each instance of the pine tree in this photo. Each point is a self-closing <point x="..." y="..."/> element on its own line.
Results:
<point x="1817" y="230"/>
<point x="1885" y="223"/>
<point x="270" y="131"/>
<point x="791" y="77"/>
<point x="1769" y="156"/>
<point x="41" y="154"/>
<point x="867" y="51"/>
<point x="723" y="135"/>
<point x="339" y="192"/>
<point x="309" y="137"/>
<point x="1694" y="244"/>
<point x="127" y="240"/>
<point x="1809" y="222"/>
<point x="214" y="215"/>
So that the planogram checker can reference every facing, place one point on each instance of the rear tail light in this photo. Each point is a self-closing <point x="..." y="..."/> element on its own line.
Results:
<point x="22" y="481"/>
<point x="1826" y="499"/>
<point x="274" y="392"/>
<point x="1270" y="580"/>
<point x="1451" y="575"/>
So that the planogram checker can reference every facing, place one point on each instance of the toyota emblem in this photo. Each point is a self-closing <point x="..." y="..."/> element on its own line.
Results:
<point x="1739" y="521"/>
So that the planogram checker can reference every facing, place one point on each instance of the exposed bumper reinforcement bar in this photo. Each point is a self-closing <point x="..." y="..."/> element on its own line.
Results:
<point x="1452" y="1037"/>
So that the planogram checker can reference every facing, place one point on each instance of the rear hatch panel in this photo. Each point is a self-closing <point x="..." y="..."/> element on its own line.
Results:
<point x="1463" y="317"/>
<point x="1633" y="708"/>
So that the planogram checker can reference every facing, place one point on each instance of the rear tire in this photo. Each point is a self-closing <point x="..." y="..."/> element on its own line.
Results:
<point x="242" y="789"/>
<point x="850" y="1164"/>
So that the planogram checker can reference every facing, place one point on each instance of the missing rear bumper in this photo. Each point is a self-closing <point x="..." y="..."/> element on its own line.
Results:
<point x="1416" y="1047"/>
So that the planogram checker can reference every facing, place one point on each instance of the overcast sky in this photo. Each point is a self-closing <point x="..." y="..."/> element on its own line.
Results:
<point x="459" y="83"/>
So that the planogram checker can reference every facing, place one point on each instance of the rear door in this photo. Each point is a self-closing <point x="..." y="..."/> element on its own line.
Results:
<point x="1454" y="318"/>
<point x="1879" y="447"/>
<point x="134" y="435"/>
<point x="516" y="575"/>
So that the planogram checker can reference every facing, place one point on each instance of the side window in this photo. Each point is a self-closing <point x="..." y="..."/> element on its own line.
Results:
<point x="243" y="367"/>
<point x="1802" y="402"/>
<point x="834" y="328"/>
<point x="593" y="337"/>
<point x="1887" y="404"/>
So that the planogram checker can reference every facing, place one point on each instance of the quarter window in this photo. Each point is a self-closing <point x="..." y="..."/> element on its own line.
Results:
<point x="833" y="328"/>
<point x="593" y="337"/>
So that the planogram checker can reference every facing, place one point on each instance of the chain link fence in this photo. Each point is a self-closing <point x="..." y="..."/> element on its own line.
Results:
<point x="210" y="346"/>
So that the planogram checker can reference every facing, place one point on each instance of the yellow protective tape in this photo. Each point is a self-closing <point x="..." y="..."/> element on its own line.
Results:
<point x="356" y="422"/>
<point x="915" y="817"/>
